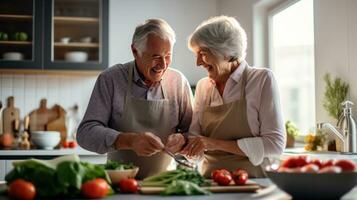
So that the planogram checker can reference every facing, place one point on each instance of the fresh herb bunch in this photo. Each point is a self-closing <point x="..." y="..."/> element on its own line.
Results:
<point x="167" y="177"/>
<point x="335" y="93"/>
<point x="115" y="165"/>
<point x="181" y="187"/>
<point x="291" y="129"/>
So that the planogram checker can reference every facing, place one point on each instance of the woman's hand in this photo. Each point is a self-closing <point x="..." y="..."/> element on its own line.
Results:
<point x="197" y="145"/>
<point x="175" y="142"/>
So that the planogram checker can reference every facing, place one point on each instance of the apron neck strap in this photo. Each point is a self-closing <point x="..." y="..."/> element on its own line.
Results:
<point x="244" y="81"/>
<point x="130" y="81"/>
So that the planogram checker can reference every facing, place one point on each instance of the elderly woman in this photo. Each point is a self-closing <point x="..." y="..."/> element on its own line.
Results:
<point x="237" y="120"/>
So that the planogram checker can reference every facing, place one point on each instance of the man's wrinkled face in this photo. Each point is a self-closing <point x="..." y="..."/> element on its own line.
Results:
<point x="153" y="62"/>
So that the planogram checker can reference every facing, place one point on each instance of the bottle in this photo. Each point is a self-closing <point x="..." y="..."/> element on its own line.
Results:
<point x="347" y="125"/>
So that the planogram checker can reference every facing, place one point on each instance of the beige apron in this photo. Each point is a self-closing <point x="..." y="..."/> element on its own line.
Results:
<point x="142" y="115"/>
<point x="227" y="122"/>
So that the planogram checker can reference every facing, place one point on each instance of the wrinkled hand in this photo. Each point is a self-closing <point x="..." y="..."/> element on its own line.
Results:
<point x="196" y="146"/>
<point x="146" y="144"/>
<point x="175" y="142"/>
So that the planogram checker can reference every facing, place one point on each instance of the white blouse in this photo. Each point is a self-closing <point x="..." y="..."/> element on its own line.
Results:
<point x="263" y="111"/>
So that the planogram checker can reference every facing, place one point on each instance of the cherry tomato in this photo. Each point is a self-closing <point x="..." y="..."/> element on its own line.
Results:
<point x="223" y="178"/>
<point x="128" y="185"/>
<point x="316" y="162"/>
<point x="240" y="176"/>
<point x="21" y="189"/>
<point x="293" y="162"/>
<point x="72" y="144"/>
<point x="95" y="189"/>
<point x="330" y="169"/>
<point x="327" y="163"/>
<point x="65" y="144"/>
<point x="309" y="168"/>
<point x="346" y="165"/>
<point x="215" y="172"/>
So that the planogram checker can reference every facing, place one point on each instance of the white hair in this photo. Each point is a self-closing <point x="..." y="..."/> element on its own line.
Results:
<point x="157" y="27"/>
<point x="222" y="36"/>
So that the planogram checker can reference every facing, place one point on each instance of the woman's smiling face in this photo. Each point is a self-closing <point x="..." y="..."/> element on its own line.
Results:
<point x="218" y="68"/>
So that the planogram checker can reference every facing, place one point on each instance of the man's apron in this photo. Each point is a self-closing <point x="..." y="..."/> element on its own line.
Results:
<point x="142" y="115"/>
<point x="227" y="122"/>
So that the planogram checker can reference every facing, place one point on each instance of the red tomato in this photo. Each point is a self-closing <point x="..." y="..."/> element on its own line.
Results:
<point x="309" y="168"/>
<point x="215" y="172"/>
<point x="65" y="144"/>
<point x="95" y="189"/>
<point x="327" y="163"/>
<point x="346" y="165"/>
<point x="223" y="178"/>
<point x="293" y="162"/>
<point x="330" y="169"/>
<point x="240" y="176"/>
<point x="316" y="162"/>
<point x="128" y="185"/>
<point x="288" y="170"/>
<point x="21" y="189"/>
<point x="72" y="144"/>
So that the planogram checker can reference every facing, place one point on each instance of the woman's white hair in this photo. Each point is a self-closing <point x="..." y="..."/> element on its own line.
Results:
<point x="222" y="36"/>
<point x="157" y="27"/>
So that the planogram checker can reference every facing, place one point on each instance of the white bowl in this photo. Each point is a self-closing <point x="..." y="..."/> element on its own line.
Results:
<point x="13" y="56"/>
<point x="76" y="56"/>
<point x="45" y="139"/>
<point x="86" y="40"/>
<point x="65" y="40"/>
<point x="116" y="175"/>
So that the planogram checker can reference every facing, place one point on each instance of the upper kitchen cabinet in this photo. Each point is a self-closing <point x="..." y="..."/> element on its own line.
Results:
<point x="21" y="34"/>
<point x="54" y="34"/>
<point x="76" y="34"/>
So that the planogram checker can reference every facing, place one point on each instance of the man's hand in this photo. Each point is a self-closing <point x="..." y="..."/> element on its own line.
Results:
<point x="196" y="146"/>
<point x="144" y="144"/>
<point x="175" y="142"/>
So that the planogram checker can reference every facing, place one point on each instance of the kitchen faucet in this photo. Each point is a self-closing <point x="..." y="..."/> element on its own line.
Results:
<point x="345" y="133"/>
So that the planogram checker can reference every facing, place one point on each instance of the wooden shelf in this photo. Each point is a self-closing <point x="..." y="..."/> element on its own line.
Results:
<point x="16" y="42"/>
<point x="77" y="44"/>
<point x="16" y="17"/>
<point x="76" y="20"/>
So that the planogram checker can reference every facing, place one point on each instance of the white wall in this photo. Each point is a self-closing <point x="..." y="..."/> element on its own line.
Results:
<point x="182" y="15"/>
<point x="335" y="47"/>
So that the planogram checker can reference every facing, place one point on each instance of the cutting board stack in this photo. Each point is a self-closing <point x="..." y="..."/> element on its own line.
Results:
<point x="45" y="119"/>
<point x="9" y="123"/>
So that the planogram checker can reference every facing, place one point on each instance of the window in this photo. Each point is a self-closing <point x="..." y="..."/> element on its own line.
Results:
<point x="292" y="60"/>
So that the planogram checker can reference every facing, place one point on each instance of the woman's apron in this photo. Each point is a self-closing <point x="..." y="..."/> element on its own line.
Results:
<point x="228" y="122"/>
<point x="142" y="115"/>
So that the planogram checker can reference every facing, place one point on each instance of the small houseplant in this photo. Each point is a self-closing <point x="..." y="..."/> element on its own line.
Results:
<point x="291" y="132"/>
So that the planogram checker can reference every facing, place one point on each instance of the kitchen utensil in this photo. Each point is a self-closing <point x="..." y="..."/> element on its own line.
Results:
<point x="45" y="139"/>
<point x="250" y="186"/>
<point x="13" y="56"/>
<point x="314" y="185"/>
<point x="181" y="161"/>
<point x="76" y="56"/>
<point x="10" y="115"/>
<point x="116" y="175"/>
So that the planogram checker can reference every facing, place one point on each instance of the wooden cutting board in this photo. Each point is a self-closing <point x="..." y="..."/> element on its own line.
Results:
<point x="250" y="186"/>
<point x="10" y="116"/>
<point x="41" y="116"/>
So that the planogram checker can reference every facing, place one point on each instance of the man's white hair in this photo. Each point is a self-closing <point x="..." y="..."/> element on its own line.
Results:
<point x="157" y="27"/>
<point x="222" y="36"/>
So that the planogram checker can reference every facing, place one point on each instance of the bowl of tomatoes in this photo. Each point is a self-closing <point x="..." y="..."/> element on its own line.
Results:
<point x="305" y="178"/>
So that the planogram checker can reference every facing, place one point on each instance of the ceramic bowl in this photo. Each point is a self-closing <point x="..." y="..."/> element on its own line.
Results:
<point x="13" y="56"/>
<point x="76" y="56"/>
<point x="45" y="139"/>
<point x="65" y="40"/>
<point x="314" y="185"/>
<point x="116" y="175"/>
<point x="86" y="40"/>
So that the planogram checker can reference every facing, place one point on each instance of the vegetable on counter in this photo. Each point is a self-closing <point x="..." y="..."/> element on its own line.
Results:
<point x="166" y="178"/>
<point x="62" y="176"/>
<point x="128" y="185"/>
<point x="21" y="189"/>
<point x="115" y="165"/>
<point x="95" y="189"/>
<point x="182" y="187"/>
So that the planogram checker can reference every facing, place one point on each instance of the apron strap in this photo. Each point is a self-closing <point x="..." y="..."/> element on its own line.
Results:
<point x="130" y="82"/>
<point x="244" y="82"/>
<point x="208" y="98"/>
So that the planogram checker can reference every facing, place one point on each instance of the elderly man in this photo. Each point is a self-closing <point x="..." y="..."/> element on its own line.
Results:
<point x="137" y="108"/>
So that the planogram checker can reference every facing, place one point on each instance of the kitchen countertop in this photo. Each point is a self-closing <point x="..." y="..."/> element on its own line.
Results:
<point x="44" y="154"/>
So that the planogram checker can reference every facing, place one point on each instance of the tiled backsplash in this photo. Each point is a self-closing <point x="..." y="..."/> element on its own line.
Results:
<point x="64" y="90"/>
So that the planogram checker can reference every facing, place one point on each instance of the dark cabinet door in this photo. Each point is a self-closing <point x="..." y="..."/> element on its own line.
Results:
<point x="76" y="34"/>
<point x="21" y="32"/>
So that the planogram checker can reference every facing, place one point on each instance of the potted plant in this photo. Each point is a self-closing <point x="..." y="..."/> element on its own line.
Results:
<point x="291" y="132"/>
